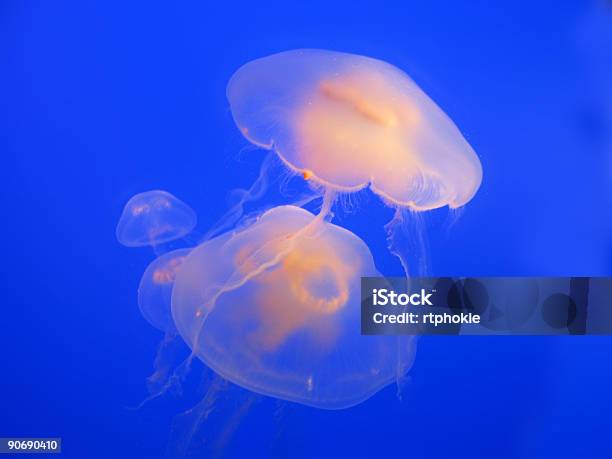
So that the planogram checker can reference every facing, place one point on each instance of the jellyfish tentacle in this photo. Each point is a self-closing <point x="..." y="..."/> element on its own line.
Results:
<point x="161" y="374"/>
<point x="406" y="353"/>
<point x="172" y="382"/>
<point x="254" y="193"/>
<point x="236" y="211"/>
<point x="232" y="425"/>
<point x="406" y="240"/>
<point x="181" y="439"/>
<point x="392" y="229"/>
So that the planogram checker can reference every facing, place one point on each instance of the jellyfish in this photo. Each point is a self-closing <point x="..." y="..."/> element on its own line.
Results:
<point x="155" y="289"/>
<point x="275" y="308"/>
<point x="153" y="218"/>
<point x="270" y="300"/>
<point x="346" y="122"/>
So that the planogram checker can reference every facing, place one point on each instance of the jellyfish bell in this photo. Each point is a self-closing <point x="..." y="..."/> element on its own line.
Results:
<point x="154" y="217"/>
<point x="155" y="289"/>
<point x="347" y="122"/>
<point x="275" y="308"/>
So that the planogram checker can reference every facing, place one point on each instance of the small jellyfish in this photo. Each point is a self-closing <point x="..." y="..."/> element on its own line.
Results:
<point x="154" y="217"/>
<point x="346" y="122"/>
<point x="275" y="308"/>
<point x="155" y="289"/>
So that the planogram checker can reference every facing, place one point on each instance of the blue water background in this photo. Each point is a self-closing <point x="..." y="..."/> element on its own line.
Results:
<point x="101" y="100"/>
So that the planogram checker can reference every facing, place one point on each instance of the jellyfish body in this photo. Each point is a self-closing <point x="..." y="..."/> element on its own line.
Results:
<point x="275" y="308"/>
<point x="154" y="217"/>
<point x="155" y="289"/>
<point x="347" y="121"/>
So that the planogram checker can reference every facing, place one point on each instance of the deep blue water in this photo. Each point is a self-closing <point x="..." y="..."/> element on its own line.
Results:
<point x="101" y="100"/>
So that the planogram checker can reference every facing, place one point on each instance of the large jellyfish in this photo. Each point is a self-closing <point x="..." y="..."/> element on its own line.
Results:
<point x="275" y="308"/>
<point x="154" y="217"/>
<point x="346" y="122"/>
